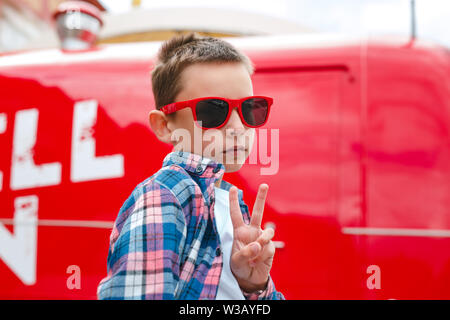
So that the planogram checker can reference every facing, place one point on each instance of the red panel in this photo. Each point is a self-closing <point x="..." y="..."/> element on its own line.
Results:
<point x="408" y="171"/>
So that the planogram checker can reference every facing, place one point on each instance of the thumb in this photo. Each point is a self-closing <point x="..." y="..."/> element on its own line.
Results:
<point x="249" y="252"/>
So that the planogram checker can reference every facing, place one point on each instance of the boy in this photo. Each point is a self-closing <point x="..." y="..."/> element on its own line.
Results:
<point x="184" y="233"/>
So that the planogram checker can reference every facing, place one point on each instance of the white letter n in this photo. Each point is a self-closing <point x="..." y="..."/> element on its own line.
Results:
<point x="18" y="250"/>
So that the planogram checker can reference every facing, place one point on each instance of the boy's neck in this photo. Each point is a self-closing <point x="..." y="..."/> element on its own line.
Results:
<point x="218" y="182"/>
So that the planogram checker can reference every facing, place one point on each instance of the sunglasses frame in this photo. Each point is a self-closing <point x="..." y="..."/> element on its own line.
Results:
<point x="232" y="103"/>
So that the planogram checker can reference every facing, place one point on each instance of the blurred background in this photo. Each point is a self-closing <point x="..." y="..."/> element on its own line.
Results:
<point x="28" y="24"/>
<point x="362" y="138"/>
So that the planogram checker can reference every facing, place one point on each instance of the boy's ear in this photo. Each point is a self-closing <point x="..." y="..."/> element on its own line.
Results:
<point x="158" y="122"/>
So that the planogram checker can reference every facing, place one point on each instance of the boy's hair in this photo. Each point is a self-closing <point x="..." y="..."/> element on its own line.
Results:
<point x="182" y="51"/>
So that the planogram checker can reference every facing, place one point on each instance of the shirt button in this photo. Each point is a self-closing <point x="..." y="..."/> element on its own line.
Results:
<point x="199" y="169"/>
<point x="218" y="251"/>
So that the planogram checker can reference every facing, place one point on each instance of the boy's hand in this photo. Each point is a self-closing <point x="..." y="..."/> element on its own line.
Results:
<point x="252" y="252"/>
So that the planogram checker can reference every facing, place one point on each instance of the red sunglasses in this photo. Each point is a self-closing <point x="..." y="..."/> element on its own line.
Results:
<point x="214" y="112"/>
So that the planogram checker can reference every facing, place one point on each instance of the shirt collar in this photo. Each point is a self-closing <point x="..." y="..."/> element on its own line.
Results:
<point x="203" y="167"/>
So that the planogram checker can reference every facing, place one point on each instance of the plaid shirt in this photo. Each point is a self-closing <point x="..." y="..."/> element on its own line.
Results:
<point x="164" y="243"/>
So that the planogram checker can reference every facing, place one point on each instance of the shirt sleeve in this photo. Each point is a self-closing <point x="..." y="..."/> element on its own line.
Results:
<point x="269" y="293"/>
<point x="144" y="254"/>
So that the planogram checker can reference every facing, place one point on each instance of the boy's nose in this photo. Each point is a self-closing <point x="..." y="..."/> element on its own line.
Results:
<point x="235" y="124"/>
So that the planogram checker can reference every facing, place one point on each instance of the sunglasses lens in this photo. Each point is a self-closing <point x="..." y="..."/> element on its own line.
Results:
<point x="255" y="111"/>
<point x="212" y="112"/>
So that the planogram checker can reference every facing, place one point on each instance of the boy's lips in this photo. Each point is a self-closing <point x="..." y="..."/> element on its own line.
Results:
<point x="235" y="149"/>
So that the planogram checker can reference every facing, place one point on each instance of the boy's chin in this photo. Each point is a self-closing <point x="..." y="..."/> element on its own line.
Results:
<point x="233" y="167"/>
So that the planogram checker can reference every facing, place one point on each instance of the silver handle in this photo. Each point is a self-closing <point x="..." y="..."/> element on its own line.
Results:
<point x="278" y="244"/>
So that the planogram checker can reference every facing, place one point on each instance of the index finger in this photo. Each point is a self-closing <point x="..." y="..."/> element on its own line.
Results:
<point x="235" y="209"/>
<point x="258" y="207"/>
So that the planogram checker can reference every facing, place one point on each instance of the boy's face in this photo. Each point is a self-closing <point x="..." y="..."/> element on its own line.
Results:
<point x="227" y="80"/>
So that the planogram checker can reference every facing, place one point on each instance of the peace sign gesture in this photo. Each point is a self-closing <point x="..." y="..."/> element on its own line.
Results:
<point x="252" y="252"/>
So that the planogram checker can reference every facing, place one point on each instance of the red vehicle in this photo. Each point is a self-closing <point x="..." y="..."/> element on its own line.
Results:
<point x="358" y="164"/>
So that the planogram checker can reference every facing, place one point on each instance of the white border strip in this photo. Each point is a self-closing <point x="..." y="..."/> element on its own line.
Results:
<point x="66" y="223"/>
<point x="440" y="233"/>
